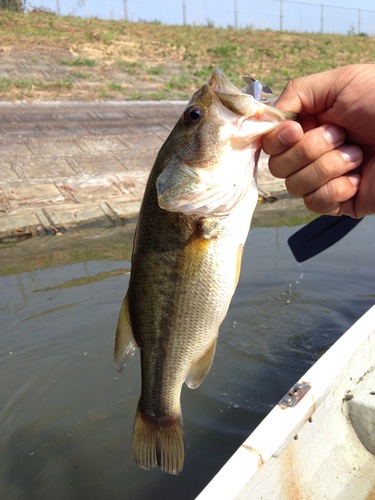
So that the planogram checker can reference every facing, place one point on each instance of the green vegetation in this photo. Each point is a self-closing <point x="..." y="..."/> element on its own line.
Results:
<point x="124" y="60"/>
<point x="30" y="84"/>
<point x="79" y="74"/>
<point x="78" y="61"/>
<point x="117" y="87"/>
<point x="130" y="66"/>
<point x="73" y="246"/>
<point x="12" y="5"/>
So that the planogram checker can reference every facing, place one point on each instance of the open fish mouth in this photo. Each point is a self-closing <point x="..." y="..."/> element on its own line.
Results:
<point x="233" y="98"/>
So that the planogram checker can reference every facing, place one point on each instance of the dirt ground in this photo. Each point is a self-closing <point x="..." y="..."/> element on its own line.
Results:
<point x="49" y="57"/>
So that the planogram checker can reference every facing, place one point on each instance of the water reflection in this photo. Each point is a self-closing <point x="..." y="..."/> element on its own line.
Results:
<point x="67" y="416"/>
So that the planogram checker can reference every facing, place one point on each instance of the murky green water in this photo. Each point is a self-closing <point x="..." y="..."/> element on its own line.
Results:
<point x="66" y="416"/>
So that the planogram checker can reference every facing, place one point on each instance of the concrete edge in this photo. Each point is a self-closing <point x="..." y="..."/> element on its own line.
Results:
<point x="60" y="218"/>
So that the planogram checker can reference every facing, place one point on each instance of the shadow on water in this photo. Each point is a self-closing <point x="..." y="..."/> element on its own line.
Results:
<point x="67" y="415"/>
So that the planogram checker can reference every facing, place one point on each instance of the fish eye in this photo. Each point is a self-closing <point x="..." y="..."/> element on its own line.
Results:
<point x="193" y="115"/>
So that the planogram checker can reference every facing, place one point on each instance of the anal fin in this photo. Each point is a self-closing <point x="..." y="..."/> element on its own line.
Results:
<point x="199" y="369"/>
<point x="125" y="344"/>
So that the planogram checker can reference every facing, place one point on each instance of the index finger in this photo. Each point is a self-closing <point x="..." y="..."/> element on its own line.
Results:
<point x="281" y="138"/>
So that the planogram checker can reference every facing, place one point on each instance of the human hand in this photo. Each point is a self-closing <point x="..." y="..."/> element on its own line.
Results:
<point x="329" y="157"/>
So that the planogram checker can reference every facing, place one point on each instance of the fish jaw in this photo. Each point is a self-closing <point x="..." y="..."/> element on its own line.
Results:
<point x="212" y="183"/>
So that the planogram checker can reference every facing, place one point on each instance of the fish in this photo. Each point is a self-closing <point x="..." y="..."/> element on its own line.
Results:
<point x="193" y="222"/>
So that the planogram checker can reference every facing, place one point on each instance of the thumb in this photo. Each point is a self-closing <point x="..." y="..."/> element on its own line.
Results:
<point x="312" y="94"/>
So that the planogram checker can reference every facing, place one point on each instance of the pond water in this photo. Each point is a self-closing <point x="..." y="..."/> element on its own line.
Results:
<point x="66" y="415"/>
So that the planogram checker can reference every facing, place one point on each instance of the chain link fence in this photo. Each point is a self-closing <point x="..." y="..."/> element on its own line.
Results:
<point x="284" y="15"/>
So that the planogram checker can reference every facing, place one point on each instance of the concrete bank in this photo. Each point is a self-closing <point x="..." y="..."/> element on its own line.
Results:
<point x="66" y="165"/>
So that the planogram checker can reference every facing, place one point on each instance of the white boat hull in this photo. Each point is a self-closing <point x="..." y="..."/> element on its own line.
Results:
<point x="311" y="450"/>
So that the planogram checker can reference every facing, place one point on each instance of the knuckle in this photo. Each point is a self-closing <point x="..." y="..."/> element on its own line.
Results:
<point x="275" y="164"/>
<point x="328" y="198"/>
<point x="321" y="171"/>
<point x="317" y="202"/>
<point x="293" y="186"/>
<point x="311" y="205"/>
<point x="268" y="144"/>
<point x="311" y="149"/>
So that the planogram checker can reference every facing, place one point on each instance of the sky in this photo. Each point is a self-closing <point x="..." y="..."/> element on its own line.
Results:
<point x="336" y="16"/>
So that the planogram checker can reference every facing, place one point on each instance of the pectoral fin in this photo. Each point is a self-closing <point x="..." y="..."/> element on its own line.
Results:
<point x="200" y="368"/>
<point x="125" y="344"/>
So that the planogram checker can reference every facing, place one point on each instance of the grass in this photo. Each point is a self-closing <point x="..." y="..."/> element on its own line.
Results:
<point x="96" y="59"/>
<point x="30" y="83"/>
<point x="78" y="61"/>
<point x="79" y="74"/>
<point x="117" y="87"/>
<point x="130" y="66"/>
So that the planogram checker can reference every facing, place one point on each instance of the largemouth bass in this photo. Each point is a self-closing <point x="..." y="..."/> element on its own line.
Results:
<point x="193" y="223"/>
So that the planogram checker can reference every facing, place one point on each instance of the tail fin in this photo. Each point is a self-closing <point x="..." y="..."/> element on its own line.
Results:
<point x="158" y="444"/>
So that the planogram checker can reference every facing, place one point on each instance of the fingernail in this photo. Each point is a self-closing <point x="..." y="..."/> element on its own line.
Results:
<point x="355" y="179"/>
<point x="290" y="134"/>
<point x="352" y="154"/>
<point x="334" y="135"/>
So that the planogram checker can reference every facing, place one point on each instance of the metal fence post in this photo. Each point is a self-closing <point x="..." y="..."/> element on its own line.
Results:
<point x="281" y="15"/>
<point x="184" y="12"/>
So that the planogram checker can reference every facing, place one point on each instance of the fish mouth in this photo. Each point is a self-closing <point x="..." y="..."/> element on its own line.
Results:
<point x="239" y="103"/>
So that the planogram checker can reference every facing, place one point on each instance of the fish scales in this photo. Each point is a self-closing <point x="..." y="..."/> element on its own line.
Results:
<point x="193" y="223"/>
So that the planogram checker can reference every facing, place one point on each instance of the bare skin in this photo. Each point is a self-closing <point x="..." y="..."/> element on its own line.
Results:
<point x="328" y="158"/>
